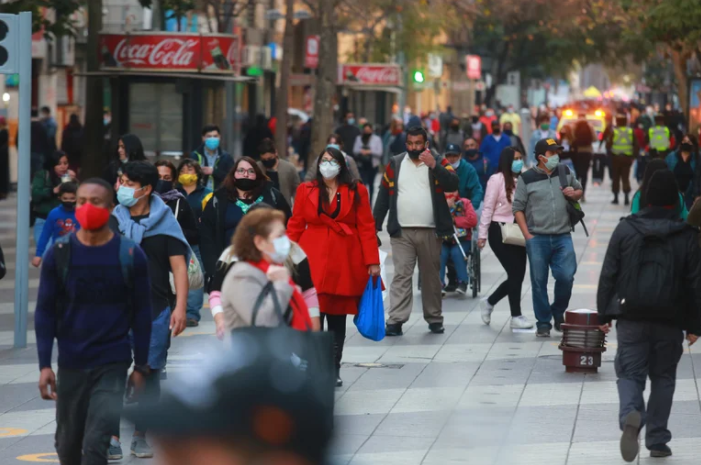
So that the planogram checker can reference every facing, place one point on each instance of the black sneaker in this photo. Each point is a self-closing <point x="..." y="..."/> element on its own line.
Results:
<point x="615" y="200"/>
<point x="339" y="381"/>
<point x="436" y="328"/>
<point x="192" y="323"/>
<point x="626" y="201"/>
<point x="629" y="439"/>
<point x="462" y="288"/>
<point x="543" y="332"/>
<point x="393" y="330"/>
<point x="558" y="325"/>
<point x="660" y="451"/>
<point x="450" y="288"/>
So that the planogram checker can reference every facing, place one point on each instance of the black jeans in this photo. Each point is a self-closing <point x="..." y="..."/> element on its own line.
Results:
<point x="88" y="408"/>
<point x="513" y="259"/>
<point x="582" y="163"/>
<point x="367" y="175"/>
<point x="150" y="395"/>
<point x="337" y="325"/>
<point x="647" y="349"/>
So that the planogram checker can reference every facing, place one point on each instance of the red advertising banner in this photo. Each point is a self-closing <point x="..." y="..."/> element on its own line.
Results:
<point x="311" y="53"/>
<point x="370" y="74"/>
<point x="473" y="63"/>
<point x="190" y="53"/>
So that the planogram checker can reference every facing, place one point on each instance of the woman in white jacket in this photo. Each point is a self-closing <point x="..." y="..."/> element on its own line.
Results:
<point x="496" y="211"/>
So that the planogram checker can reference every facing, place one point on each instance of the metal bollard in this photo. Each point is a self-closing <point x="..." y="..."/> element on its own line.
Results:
<point x="582" y="341"/>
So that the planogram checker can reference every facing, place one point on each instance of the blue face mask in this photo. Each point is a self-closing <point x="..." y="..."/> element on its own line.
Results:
<point x="351" y="121"/>
<point x="333" y="146"/>
<point x="552" y="162"/>
<point x="516" y="166"/>
<point x="212" y="143"/>
<point x="125" y="196"/>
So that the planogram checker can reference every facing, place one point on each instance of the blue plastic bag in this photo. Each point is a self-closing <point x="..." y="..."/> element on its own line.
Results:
<point x="370" y="319"/>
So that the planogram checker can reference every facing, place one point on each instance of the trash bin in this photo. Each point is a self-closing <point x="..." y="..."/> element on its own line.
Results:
<point x="582" y="341"/>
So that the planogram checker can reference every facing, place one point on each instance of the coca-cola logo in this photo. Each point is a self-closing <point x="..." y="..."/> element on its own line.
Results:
<point x="170" y="52"/>
<point x="378" y="75"/>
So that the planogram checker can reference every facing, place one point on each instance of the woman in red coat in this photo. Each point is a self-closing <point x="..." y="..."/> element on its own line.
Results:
<point x="332" y="221"/>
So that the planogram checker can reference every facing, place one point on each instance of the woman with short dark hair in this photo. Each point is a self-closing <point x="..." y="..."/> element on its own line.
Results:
<point x="244" y="186"/>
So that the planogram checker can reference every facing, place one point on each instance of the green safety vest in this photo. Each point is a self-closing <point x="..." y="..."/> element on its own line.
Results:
<point x="622" y="141"/>
<point x="659" y="138"/>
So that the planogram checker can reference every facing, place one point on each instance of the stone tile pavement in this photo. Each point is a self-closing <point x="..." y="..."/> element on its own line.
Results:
<point x="478" y="394"/>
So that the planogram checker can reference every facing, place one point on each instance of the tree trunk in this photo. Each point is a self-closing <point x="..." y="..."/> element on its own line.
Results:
<point x="322" y="124"/>
<point x="679" y="59"/>
<point x="94" y="158"/>
<point x="281" y="99"/>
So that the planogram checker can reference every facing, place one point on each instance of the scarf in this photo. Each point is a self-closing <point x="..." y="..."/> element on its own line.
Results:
<point x="301" y="320"/>
<point x="160" y="221"/>
<point x="246" y="206"/>
<point x="171" y="195"/>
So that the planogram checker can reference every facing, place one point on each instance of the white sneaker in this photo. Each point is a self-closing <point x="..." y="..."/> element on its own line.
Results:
<point x="521" y="322"/>
<point x="487" y="310"/>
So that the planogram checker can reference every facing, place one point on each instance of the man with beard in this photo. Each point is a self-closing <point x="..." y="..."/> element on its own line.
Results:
<point x="412" y="192"/>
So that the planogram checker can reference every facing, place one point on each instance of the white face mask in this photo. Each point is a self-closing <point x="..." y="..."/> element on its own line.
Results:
<point x="329" y="169"/>
<point x="282" y="247"/>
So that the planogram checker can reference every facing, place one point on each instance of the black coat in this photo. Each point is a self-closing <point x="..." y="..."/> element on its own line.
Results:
<point x="212" y="229"/>
<point x="186" y="220"/>
<point x="686" y="260"/>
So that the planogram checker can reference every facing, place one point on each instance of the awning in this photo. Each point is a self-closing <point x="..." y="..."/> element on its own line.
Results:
<point x="210" y="77"/>
<point x="364" y="87"/>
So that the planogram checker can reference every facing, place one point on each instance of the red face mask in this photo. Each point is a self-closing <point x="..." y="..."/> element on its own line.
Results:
<point x="91" y="217"/>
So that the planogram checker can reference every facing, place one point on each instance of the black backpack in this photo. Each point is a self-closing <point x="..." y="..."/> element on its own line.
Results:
<point x="649" y="286"/>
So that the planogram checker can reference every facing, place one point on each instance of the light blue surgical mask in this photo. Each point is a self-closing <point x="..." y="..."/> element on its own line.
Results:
<point x="351" y="121"/>
<point x="212" y="143"/>
<point x="552" y="162"/>
<point x="282" y="247"/>
<point x="456" y="165"/>
<point x="334" y="146"/>
<point x="125" y="196"/>
<point x="516" y="166"/>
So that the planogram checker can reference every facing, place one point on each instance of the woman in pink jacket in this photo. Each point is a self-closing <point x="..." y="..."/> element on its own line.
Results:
<point x="496" y="211"/>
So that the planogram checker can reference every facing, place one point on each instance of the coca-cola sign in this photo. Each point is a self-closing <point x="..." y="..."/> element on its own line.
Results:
<point x="217" y="53"/>
<point x="370" y="74"/>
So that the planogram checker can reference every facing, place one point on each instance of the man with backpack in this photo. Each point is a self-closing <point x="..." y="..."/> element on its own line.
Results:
<point x="651" y="283"/>
<point x="541" y="207"/>
<point x="94" y="290"/>
<point x="144" y="218"/>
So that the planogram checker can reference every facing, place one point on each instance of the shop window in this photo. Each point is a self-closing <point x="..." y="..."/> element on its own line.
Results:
<point x="155" y="115"/>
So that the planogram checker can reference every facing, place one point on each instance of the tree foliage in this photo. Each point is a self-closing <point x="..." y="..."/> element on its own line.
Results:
<point x="62" y="25"/>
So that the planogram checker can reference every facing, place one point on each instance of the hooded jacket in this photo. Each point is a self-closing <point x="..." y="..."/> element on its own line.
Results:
<point x="685" y="259"/>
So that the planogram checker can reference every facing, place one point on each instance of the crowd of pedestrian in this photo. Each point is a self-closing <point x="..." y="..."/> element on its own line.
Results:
<point x="273" y="250"/>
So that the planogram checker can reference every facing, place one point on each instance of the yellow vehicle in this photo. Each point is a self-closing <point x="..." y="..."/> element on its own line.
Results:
<point x="595" y="117"/>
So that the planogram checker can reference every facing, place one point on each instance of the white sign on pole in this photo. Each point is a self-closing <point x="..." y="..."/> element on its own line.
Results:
<point x="435" y="65"/>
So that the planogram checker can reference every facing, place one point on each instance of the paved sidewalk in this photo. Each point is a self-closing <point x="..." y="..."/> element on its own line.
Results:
<point x="478" y="394"/>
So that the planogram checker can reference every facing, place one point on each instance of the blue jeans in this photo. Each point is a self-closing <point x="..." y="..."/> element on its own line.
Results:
<point x="453" y="253"/>
<point x="160" y="340"/>
<point x="195" y="298"/>
<point x="554" y="252"/>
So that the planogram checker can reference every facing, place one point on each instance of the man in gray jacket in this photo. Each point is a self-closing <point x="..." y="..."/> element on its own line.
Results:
<point x="540" y="209"/>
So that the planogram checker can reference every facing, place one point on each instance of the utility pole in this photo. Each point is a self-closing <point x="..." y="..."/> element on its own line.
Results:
<point x="93" y="157"/>
<point x="281" y="99"/>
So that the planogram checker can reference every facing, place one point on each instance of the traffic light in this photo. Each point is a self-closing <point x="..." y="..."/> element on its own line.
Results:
<point x="419" y="77"/>
<point x="9" y="29"/>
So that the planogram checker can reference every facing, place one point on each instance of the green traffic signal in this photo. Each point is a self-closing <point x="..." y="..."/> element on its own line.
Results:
<point x="418" y="77"/>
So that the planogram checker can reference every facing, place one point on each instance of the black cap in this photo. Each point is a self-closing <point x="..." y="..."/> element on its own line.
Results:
<point x="258" y="390"/>
<point x="452" y="148"/>
<point x="543" y="145"/>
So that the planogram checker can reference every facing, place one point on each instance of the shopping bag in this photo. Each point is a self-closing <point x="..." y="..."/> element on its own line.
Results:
<point x="383" y="273"/>
<point x="370" y="319"/>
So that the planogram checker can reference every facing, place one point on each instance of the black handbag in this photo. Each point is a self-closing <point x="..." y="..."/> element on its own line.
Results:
<point x="305" y="358"/>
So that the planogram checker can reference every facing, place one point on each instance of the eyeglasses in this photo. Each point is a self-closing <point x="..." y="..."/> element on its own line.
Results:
<point x="243" y="171"/>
